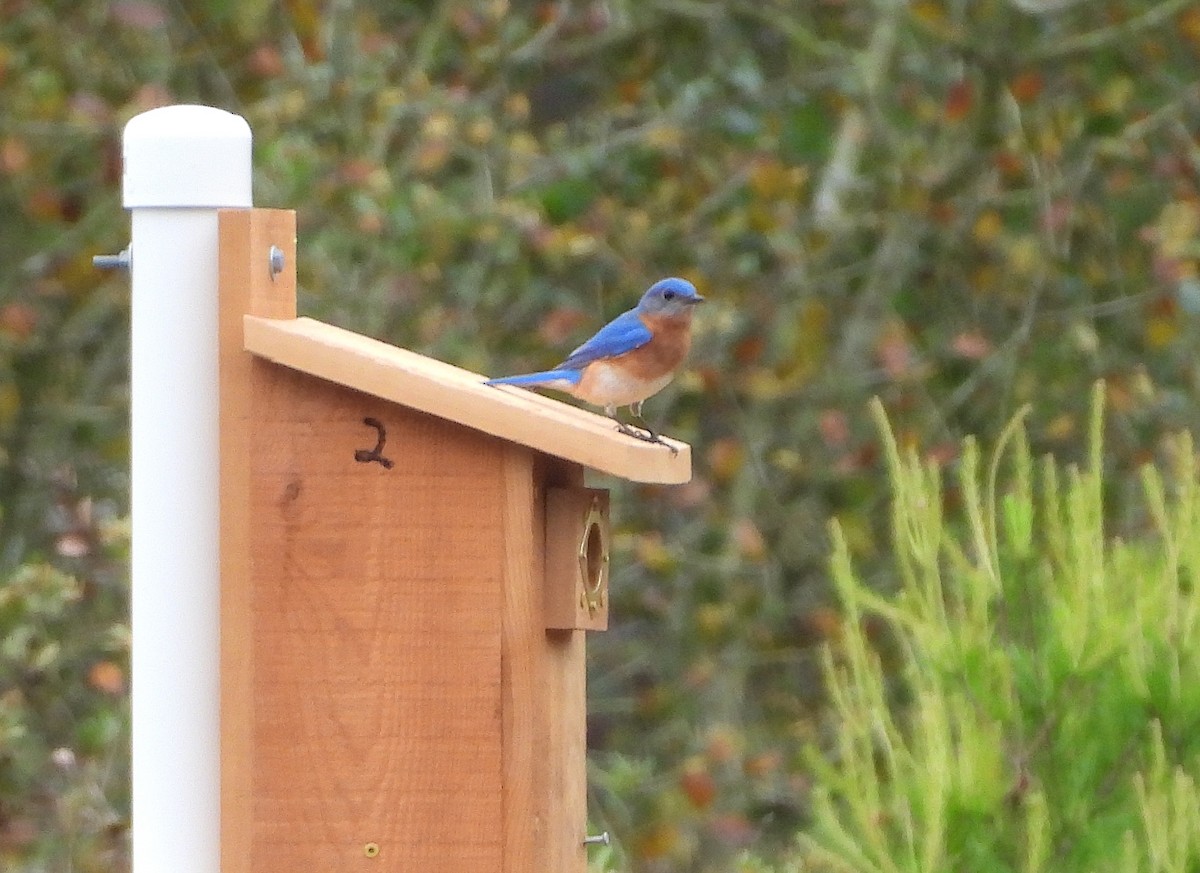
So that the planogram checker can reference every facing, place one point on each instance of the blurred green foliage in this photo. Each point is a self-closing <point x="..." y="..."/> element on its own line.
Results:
<point x="1030" y="707"/>
<point x="957" y="206"/>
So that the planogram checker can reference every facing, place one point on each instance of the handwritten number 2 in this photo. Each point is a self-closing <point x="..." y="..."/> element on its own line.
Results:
<point x="366" y="456"/>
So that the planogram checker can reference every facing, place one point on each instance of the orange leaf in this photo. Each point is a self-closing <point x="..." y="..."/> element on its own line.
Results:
<point x="971" y="344"/>
<point x="762" y="764"/>
<point x="72" y="545"/>
<point x="725" y="457"/>
<point x="959" y="100"/>
<point x="767" y="177"/>
<point x="18" y="320"/>
<point x="834" y="427"/>
<point x="942" y="454"/>
<point x="821" y="624"/>
<point x="44" y="204"/>
<point x="1026" y="86"/>
<point x="14" y="155"/>
<point x="1009" y="163"/>
<point x="723" y="745"/>
<point x="733" y="829"/>
<point x="1160" y="331"/>
<point x="559" y="323"/>
<point x="749" y="349"/>
<point x="306" y="22"/>
<point x="749" y="540"/>
<point x="988" y="226"/>
<point x="1061" y="427"/>
<point x="266" y="61"/>
<point x="629" y="90"/>
<point x="699" y="786"/>
<point x="894" y="352"/>
<point x="107" y="677"/>
<point x="1189" y="25"/>
<point x="657" y="842"/>
<point x="139" y="15"/>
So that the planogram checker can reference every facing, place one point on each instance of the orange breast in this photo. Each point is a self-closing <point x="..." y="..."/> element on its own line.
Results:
<point x="640" y="373"/>
<point x="663" y="354"/>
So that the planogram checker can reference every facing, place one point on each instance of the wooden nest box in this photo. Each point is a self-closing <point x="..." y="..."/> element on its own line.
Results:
<point x="409" y="560"/>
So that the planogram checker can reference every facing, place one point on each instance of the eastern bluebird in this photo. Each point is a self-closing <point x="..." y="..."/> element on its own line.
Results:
<point x="632" y="357"/>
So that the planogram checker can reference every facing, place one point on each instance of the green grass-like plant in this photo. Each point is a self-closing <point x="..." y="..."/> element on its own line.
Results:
<point x="1027" y="698"/>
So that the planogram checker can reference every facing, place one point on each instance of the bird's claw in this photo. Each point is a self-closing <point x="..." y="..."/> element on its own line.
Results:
<point x="645" y="435"/>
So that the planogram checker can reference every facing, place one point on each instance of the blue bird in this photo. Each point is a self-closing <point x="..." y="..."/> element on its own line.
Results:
<point x="629" y="359"/>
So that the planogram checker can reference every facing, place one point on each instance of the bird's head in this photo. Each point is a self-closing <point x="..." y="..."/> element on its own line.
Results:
<point x="669" y="297"/>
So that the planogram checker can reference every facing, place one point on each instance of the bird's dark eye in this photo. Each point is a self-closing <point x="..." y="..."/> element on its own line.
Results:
<point x="668" y="295"/>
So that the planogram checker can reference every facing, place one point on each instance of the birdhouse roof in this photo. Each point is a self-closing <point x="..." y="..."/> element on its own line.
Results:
<point x="427" y="385"/>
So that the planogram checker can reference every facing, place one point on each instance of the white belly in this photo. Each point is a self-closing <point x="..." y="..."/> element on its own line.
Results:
<point x="605" y="385"/>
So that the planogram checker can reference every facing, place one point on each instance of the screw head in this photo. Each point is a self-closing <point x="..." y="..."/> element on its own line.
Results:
<point x="275" y="260"/>
<point x="371" y="850"/>
<point x="120" y="261"/>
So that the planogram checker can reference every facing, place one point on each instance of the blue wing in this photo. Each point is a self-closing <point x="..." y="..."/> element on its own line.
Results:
<point x="623" y="334"/>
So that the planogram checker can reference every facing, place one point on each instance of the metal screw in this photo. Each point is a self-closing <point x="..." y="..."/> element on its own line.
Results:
<point x="371" y="850"/>
<point x="119" y="261"/>
<point x="275" y="260"/>
<point x="598" y="840"/>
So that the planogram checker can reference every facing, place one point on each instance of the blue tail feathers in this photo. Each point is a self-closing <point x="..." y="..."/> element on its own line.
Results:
<point x="549" y="377"/>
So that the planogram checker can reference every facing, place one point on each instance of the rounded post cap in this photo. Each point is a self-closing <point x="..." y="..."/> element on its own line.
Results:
<point x="187" y="156"/>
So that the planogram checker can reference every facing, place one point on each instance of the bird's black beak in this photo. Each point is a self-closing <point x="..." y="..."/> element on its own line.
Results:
<point x="695" y="300"/>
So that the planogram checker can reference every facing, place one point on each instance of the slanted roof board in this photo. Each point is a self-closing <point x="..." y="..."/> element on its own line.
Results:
<point x="514" y="414"/>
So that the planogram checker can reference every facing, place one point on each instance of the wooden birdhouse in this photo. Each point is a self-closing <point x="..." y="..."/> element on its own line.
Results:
<point x="361" y="578"/>
<point x="410" y="560"/>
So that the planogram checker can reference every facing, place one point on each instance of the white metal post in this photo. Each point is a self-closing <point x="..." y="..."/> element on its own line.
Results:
<point x="182" y="164"/>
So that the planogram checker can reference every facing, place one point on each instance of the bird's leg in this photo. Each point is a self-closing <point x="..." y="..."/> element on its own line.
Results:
<point x="624" y="428"/>
<point x="629" y="429"/>
<point x="635" y="409"/>
<point x="645" y="433"/>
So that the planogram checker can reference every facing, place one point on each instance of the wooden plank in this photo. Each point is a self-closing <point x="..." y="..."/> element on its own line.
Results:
<point x="543" y="687"/>
<point x="377" y="604"/>
<point x="360" y="613"/>
<point x="565" y="794"/>
<point x="513" y="414"/>
<point x="245" y="286"/>
<point x="521" y="679"/>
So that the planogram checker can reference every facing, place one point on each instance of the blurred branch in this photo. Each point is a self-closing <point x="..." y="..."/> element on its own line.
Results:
<point x="799" y="36"/>
<point x="229" y="94"/>
<point x="841" y="170"/>
<point x="696" y="10"/>
<point x="1045" y="7"/>
<point x="1105" y="36"/>
<point x="430" y="37"/>
<point x="564" y="164"/>
<point x="720" y="197"/>
<point x="1005" y="357"/>
<point x="886" y="275"/>
<point x="1168" y="113"/>
<point x="688" y="105"/>
<point x="542" y="37"/>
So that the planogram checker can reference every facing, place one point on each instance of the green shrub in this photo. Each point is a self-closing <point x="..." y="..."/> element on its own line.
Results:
<point x="1026" y="699"/>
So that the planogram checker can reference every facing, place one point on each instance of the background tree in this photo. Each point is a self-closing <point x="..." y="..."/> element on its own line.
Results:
<point x="957" y="206"/>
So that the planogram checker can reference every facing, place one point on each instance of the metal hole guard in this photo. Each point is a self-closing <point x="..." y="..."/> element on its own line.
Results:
<point x="578" y="558"/>
<point x="594" y="558"/>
